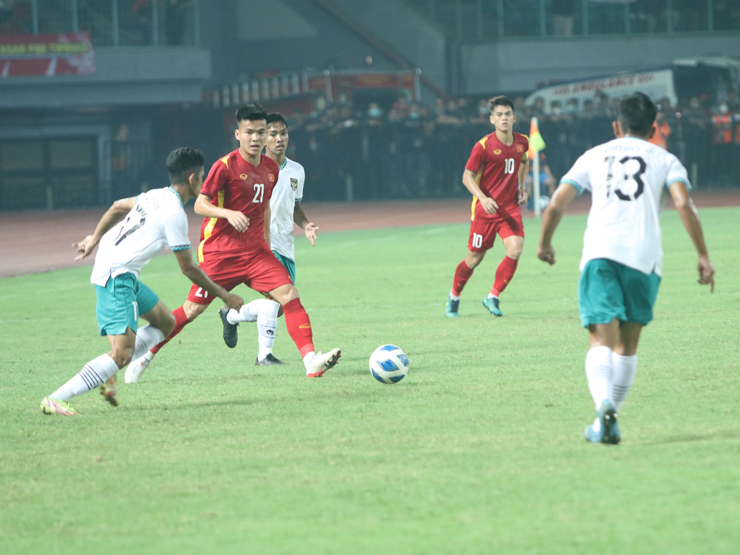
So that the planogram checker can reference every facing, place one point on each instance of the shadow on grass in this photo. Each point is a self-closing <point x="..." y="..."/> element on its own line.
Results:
<point x="732" y="434"/>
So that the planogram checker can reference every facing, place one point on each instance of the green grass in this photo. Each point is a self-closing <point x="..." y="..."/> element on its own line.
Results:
<point x="478" y="450"/>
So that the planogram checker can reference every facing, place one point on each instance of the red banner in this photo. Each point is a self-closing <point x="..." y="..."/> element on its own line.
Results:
<point x="62" y="54"/>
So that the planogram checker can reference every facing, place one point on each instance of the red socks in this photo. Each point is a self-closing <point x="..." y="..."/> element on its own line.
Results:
<point x="462" y="275"/>
<point x="504" y="273"/>
<point x="299" y="326"/>
<point x="180" y="322"/>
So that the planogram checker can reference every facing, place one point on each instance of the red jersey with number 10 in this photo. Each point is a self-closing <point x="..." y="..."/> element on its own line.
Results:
<point x="497" y="168"/>
<point x="236" y="184"/>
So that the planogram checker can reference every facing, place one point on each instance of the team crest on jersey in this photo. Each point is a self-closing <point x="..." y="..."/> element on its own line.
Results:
<point x="244" y="176"/>
<point x="271" y="178"/>
<point x="293" y="183"/>
<point x="497" y="151"/>
<point x="519" y="148"/>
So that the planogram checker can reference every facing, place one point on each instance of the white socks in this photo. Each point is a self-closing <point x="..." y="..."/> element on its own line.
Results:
<point x="600" y="374"/>
<point x="307" y="360"/>
<point x="266" y="327"/>
<point x="454" y="297"/>
<point x="610" y="375"/>
<point x="265" y="313"/>
<point x="624" y="375"/>
<point x="146" y="337"/>
<point x="91" y="376"/>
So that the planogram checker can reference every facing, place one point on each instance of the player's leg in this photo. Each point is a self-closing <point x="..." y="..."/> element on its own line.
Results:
<point x="480" y="240"/>
<point x="601" y="304"/>
<point x="266" y="274"/>
<point x="511" y="231"/>
<point x="641" y="292"/>
<point x="197" y="302"/>
<point x="118" y="313"/>
<point x="624" y="360"/>
<point x="263" y="311"/>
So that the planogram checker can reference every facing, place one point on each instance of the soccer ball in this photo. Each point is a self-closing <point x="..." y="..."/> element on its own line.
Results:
<point x="389" y="364"/>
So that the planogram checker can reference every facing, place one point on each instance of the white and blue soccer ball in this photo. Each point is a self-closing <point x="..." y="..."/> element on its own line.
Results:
<point x="389" y="364"/>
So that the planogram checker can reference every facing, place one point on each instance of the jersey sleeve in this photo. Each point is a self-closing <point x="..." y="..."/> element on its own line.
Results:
<point x="525" y="141"/>
<point x="578" y="175"/>
<point x="217" y="178"/>
<point x="477" y="158"/>
<point x="176" y="232"/>
<point x="299" y="189"/>
<point x="676" y="172"/>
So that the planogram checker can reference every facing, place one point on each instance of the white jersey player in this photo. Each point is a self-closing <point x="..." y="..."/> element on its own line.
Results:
<point x="286" y="212"/>
<point x="153" y="221"/>
<point x="629" y="180"/>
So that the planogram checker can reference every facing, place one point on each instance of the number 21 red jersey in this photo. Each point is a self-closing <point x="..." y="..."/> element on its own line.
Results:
<point x="496" y="166"/>
<point x="236" y="184"/>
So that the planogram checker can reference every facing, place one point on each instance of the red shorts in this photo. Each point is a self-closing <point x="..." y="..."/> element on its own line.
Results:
<point x="505" y="223"/>
<point x="259" y="270"/>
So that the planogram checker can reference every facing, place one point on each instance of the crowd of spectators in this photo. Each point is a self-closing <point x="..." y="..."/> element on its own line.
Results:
<point x="409" y="150"/>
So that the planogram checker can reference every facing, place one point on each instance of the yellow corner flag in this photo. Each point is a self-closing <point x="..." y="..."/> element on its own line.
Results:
<point x="536" y="142"/>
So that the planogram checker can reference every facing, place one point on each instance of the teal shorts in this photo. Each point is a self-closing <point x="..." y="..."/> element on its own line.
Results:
<point x="121" y="302"/>
<point x="609" y="290"/>
<point x="288" y="263"/>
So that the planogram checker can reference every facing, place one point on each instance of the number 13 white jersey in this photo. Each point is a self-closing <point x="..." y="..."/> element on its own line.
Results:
<point x="156" y="221"/>
<point x="628" y="180"/>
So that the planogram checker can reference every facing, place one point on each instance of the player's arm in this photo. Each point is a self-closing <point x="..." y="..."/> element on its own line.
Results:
<point x="205" y="207"/>
<point x="690" y="219"/>
<point x="488" y="204"/>
<point x="115" y="214"/>
<point x="301" y="220"/>
<point x="563" y="196"/>
<point x="193" y="272"/>
<point x="522" y="183"/>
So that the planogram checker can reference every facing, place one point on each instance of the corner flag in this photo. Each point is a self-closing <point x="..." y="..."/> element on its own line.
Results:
<point x="536" y="142"/>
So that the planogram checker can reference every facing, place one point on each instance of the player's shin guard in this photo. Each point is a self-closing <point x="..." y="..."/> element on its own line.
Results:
<point x="462" y="275"/>
<point x="624" y="375"/>
<point x="299" y="326"/>
<point x="504" y="273"/>
<point x="600" y="374"/>
<point x="180" y="322"/>
<point x="146" y="338"/>
<point x="91" y="376"/>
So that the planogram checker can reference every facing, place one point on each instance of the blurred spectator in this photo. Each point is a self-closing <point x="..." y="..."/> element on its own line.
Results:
<point x="661" y="130"/>
<point x="563" y="12"/>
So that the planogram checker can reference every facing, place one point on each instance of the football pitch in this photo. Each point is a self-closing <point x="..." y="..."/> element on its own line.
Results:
<point x="478" y="450"/>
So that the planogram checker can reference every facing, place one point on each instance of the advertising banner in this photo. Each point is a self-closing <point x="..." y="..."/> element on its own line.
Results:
<point x="49" y="55"/>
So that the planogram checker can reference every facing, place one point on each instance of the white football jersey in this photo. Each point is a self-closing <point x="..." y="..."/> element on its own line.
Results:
<point x="287" y="192"/>
<point x="628" y="179"/>
<point x="157" y="221"/>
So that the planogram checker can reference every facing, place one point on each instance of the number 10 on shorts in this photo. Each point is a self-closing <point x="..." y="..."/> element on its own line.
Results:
<point x="477" y="240"/>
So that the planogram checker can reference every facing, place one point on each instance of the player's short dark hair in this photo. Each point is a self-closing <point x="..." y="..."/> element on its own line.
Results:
<point x="637" y="114"/>
<point x="250" y="112"/>
<point x="181" y="162"/>
<point x="276" y="117"/>
<point x="500" y="100"/>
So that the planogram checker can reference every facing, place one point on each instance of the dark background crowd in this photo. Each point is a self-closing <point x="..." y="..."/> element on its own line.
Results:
<point x="405" y="149"/>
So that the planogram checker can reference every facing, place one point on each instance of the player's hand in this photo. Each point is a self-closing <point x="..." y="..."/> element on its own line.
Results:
<point x="310" y="231"/>
<point x="546" y="254"/>
<point x="234" y="301"/>
<point x="523" y="196"/>
<point x="84" y="247"/>
<point x="706" y="273"/>
<point x="238" y="220"/>
<point x="489" y="205"/>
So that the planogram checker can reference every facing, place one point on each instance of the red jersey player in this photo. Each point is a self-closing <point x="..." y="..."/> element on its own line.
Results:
<point x="496" y="176"/>
<point x="235" y="200"/>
